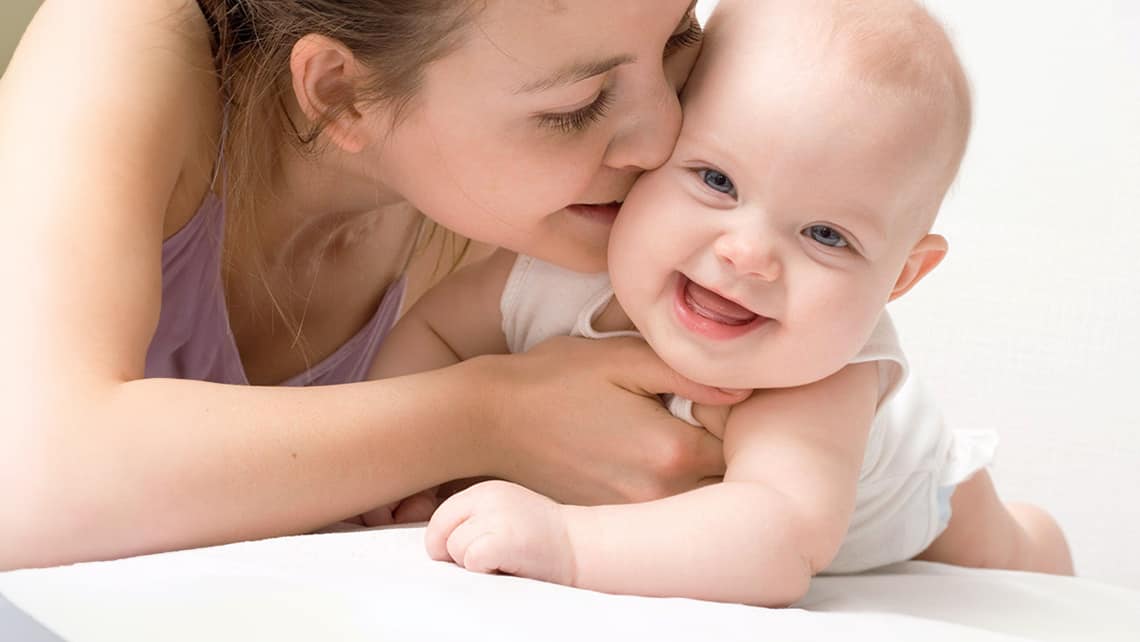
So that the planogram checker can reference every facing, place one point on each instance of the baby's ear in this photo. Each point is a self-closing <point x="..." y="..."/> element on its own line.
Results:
<point x="924" y="257"/>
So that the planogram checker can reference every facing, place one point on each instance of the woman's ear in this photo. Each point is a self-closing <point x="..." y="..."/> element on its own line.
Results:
<point x="924" y="257"/>
<point x="325" y="75"/>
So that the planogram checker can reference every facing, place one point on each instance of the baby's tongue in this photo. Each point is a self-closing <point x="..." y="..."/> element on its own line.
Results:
<point x="714" y="307"/>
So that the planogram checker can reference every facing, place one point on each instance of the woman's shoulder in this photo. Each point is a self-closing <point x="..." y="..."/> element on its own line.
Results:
<point x="131" y="87"/>
<point x="127" y="17"/>
<point x="111" y="35"/>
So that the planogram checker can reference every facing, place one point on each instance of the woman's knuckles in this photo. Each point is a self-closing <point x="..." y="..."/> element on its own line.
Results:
<point x="674" y="455"/>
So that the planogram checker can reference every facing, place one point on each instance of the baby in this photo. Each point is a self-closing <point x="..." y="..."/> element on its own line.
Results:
<point x="820" y="137"/>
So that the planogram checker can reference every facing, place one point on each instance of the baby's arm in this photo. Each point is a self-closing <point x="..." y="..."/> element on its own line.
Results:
<point x="776" y="520"/>
<point x="456" y="320"/>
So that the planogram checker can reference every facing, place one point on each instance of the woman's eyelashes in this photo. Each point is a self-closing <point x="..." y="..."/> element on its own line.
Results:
<point x="692" y="35"/>
<point x="579" y="119"/>
<point x="717" y="181"/>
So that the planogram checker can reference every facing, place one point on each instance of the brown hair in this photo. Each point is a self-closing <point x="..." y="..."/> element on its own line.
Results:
<point x="252" y="41"/>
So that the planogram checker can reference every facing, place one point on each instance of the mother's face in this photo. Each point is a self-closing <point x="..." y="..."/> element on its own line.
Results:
<point x="547" y="106"/>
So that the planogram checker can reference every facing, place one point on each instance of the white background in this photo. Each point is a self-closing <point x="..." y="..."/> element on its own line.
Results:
<point x="1032" y="324"/>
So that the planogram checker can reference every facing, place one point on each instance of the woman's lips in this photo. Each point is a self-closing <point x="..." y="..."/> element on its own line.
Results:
<point x="600" y="212"/>
<point x="708" y="314"/>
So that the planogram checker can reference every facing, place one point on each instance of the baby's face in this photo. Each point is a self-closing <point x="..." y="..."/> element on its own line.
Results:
<point x="762" y="253"/>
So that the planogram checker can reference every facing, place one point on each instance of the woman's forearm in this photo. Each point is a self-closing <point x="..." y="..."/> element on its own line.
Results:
<point x="162" y="464"/>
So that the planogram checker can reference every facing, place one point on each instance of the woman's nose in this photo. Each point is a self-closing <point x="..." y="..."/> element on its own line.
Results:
<point x="749" y="256"/>
<point x="646" y="141"/>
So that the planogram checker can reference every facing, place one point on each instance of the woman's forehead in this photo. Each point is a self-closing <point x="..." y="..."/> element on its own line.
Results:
<point x="550" y="34"/>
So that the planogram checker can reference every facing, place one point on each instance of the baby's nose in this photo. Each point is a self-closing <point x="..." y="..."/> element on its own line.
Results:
<point x="749" y="257"/>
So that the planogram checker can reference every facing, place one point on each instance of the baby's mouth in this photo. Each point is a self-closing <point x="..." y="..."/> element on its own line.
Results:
<point x="714" y="307"/>
<point x="710" y="314"/>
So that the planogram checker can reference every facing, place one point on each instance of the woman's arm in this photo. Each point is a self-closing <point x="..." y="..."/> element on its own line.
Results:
<point x="97" y="462"/>
<point x="456" y="320"/>
<point x="757" y="538"/>
<point x="581" y="406"/>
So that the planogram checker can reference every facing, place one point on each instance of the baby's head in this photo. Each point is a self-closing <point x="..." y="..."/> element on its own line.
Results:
<point x="820" y="137"/>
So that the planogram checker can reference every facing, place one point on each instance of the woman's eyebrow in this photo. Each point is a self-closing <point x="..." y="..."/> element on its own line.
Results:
<point x="575" y="72"/>
<point x="579" y="71"/>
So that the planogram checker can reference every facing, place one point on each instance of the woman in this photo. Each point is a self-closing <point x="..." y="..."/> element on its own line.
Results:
<point x="145" y="306"/>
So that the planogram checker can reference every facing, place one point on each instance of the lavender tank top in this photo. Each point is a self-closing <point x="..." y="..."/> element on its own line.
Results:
<point x="194" y="339"/>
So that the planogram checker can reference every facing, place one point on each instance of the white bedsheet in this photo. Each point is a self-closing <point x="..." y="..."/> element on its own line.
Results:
<point x="380" y="585"/>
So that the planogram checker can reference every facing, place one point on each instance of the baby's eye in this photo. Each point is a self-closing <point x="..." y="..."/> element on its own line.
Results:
<point x="717" y="181"/>
<point x="825" y="235"/>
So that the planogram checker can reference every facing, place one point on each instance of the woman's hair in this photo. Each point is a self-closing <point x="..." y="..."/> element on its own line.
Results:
<point x="252" y="42"/>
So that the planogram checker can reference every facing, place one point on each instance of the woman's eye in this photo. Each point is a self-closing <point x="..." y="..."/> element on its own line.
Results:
<point x="692" y="35"/>
<point x="578" y="120"/>
<point x="825" y="235"/>
<point x="718" y="181"/>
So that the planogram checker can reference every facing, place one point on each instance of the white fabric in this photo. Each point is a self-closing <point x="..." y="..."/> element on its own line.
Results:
<point x="380" y="585"/>
<point x="910" y="453"/>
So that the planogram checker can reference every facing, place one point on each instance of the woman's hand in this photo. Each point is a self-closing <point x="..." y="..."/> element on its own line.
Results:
<point x="580" y="421"/>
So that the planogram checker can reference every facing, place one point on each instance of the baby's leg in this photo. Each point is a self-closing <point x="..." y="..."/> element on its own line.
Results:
<point x="986" y="533"/>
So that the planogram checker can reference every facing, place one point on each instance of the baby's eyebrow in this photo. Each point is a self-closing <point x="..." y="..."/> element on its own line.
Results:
<point x="575" y="72"/>
<point x="864" y="217"/>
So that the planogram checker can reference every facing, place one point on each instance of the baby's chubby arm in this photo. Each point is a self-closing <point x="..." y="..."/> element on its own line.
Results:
<point x="757" y="538"/>
<point x="454" y="321"/>
<point x="778" y="518"/>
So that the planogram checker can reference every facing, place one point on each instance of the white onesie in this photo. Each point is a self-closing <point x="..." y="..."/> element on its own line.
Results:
<point x="912" y="460"/>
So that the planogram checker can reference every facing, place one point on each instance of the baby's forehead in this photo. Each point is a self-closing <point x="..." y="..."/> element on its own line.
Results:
<point x="883" y="67"/>
<point x="891" y="46"/>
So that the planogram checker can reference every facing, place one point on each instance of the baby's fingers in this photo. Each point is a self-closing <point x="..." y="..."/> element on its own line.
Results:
<point x="454" y="512"/>
<point x="487" y="553"/>
<point x="460" y="540"/>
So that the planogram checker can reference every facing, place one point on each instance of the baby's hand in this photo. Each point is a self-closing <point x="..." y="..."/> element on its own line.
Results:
<point x="498" y="526"/>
